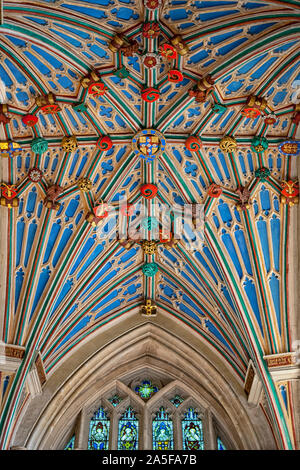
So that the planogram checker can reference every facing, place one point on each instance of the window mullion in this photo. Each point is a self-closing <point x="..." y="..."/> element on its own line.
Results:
<point x="210" y="442"/>
<point x="82" y="431"/>
<point x="178" y="445"/>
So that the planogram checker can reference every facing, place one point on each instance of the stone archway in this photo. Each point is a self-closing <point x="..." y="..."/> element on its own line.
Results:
<point x="126" y="348"/>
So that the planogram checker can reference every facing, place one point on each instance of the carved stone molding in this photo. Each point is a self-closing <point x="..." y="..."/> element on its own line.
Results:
<point x="36" y="377"/>
<point x="40" y="369"/>
<point x="252" y="385"/>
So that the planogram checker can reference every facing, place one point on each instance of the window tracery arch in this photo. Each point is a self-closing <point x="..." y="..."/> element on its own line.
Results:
<point x="157" y="417"/>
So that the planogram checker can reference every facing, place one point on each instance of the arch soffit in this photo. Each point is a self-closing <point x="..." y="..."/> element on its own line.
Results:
<point x="147" y="345"/>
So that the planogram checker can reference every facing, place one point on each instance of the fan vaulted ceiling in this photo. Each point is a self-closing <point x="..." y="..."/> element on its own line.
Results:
<point x="66" y="281"/>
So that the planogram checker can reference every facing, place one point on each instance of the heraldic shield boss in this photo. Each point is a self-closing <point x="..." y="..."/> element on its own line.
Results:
<point x="148" y="144"/>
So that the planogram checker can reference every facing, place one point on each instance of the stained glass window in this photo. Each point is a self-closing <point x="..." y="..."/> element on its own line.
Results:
<point x="99" y="431"/>
<point x="115" y="400"/>
<point x="177" y="400"/>
<point x="128" y="431"/>
<point x="70" y="445"/>
<point x="192" y="435"/>
<point x="220" y="444"/>
<point x="146" y="389"/>
<point x="162" y="431"/>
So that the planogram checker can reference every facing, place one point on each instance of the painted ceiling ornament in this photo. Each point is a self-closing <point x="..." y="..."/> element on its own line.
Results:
<point x="39" y="145"/>
<point x="151" y="60"/>
<point x="148" y="190"/>
<point x="150" y="269"/>
<point x="175" y="76"/>
<point x="193" y="143"/>
<point x="126" y="243"/>
<point x="228" y="144"/>
<point x="104" y="143"/>
<point x="30" y="120"/>
<point x="149" y="309"/>
<point x="121" y="43"/>
<point x="180" y="45"/>
<point x="149" y="247"/>
<point x="80" y="107"/>
<point x="151" y="30"/>
<point x="148" y="144"/>
<point x="85" y="185"/>
<point x="255" y="106"/>
<point x="150" y="94"/>
<point x="251" y="113"/>
<point x="203" y="88"/>
<point x="10" y="148"/>
<point x="289" y="147"/>
<point x="290" y="193"/>
<point x="117" y="42"/>
<point x="3" y="111"/>
<point x="244" y="196"/>
<point x="122" y="72"/>
<point x="262" y="173"/>
<point x="69" y="143"/>
<point x="218" y="108"/>
<point x="47" y="104"/>
<point x="170" y="242"/>
<point x="152" y="4"/>
<point x="9" y="194"/>
<point x="35" y="175"/>
<point x="259" y="144"/>
<point x="270" y="119"/>
<point x="52" y="194"/>
<point x="214" y="190"/>
<point x="168" y="51"/>
<point x="94" y="84"/>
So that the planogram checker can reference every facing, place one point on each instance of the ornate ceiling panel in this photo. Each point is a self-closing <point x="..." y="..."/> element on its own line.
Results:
<point x="215" y="84"/>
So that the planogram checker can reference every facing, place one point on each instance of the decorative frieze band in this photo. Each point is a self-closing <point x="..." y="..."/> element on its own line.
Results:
<point x="11" y="356"/>
<point x="283" y="366"/>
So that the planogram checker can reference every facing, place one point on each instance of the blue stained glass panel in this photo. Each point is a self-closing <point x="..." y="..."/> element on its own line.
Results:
<point x="220" y="444"/>
<point x="192" y="434"/>
<point x="99" y="431"/>
<point x="115" y="400"/>
<point x="128" y="431"/>
<point x="162" y="431"/>
<point x="146" y="389"/>
<point x="70" y="445"/>
<point x="177" y="400"/>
